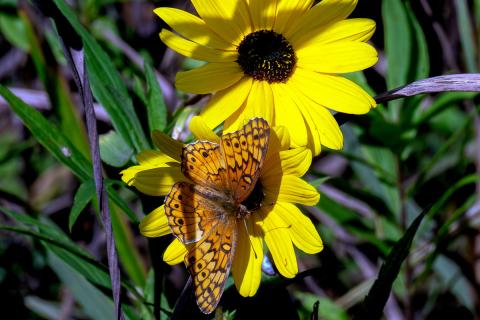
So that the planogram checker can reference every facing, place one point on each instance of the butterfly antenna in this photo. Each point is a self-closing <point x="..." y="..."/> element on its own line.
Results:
<point x="251" y="244"/>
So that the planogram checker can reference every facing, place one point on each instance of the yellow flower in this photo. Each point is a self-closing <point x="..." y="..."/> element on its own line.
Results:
<point x="278" y="221"/>
<point x="275" y="59"/>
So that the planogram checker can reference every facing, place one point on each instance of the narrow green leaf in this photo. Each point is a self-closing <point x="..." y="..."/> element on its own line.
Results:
<point x="83" y="196"/>
<point x="156" y="107"/>
<point x="13" y="29"/>
<point x="398" y="48"/>
<point x="107" y="86"/>
<point x="372" y="307"/>
<point x="114" y="150"/>
<point x="94" y="303"/>
<point x="467" y="37"/>
<point x="49" y="136"/>
<point x="128" y="255"/>
<point x="421" y="64"/>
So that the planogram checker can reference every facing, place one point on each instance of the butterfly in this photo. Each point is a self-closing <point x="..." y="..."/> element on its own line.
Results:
<point x="207" y="212"/>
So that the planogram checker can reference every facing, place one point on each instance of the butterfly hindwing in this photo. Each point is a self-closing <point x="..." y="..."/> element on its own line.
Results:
<point x="190" y="213"/>
<point x="244" y="152"/>
<point x="209" y="262"/>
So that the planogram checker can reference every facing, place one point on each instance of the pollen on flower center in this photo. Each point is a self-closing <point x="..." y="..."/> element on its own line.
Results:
<point x="266" y="55"/>
<point x="254" y="200"/>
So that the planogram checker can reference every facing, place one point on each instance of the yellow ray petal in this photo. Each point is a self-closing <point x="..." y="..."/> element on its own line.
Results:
<point x="192" y="28"/>
<point x="195" y="50"/>
<point x="322" y="14"/>
<point x="332" y="91"/>
<point x="201" y="131"/>
<point x="302" y="231"/>
<point x="175" y="252"/>
<point x="167" y="145"/>
<point x="289" y="188"/>
<point x="247" y="262"/>
<point x="283" y="136"/>
<point x="259" y="104"/>
<point x="209" y="78"/>
<point x="277" y="238"/>
<point x="225" y="102"/>
<point x="338" y="57"/>
<point x="288" y="12"/>
<point x="294" y="161"/>
<point x="321" y="123"/>
<point x="154" y="158"/>
<point x="358" y="29"/>
<point x="287" y="114"/>
<point x="228" y="18"/>
<point x="155" y="224"/>
<point x="152" y="181"/>
<point x="263" y="13"/>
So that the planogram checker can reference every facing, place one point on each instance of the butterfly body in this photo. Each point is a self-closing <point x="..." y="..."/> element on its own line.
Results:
<point x="206" y="213"/>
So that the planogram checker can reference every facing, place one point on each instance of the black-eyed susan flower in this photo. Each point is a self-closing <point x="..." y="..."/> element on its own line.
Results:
<point x="276" y="59"/>
<point x="273" y="216"/>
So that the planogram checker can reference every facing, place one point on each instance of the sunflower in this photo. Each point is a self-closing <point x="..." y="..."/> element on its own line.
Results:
<point x="276" y="59"/>
<point x="277" y="221"/>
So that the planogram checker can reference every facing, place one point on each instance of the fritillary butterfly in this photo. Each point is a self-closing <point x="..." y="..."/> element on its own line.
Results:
<point x="207" y="212"/>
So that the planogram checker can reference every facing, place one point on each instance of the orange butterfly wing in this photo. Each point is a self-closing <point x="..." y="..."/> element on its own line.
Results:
<point x="203" y="163"/>
<point x="209" y="263"/>
<point x="190" y="214"/>
<point x="244" y="151"/>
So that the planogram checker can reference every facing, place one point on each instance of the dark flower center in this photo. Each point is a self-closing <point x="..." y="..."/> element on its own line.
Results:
<point x="266" y="55"/>
<point x="254" y="200"/>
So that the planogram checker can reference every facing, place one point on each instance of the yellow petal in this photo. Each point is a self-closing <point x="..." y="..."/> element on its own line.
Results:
<point x="324" y="13"/>
<point x="259" y="104"/>
<point x="152" y="181"/>
<point x="175" y="252"/>
<point x="287" y="114"/>
<point x="192" y="28"/>
<point x="323" y="128"/>
<point x="201" y="131"/>
<point x="225" y="102"/>
<point x="230" y="19"/>
<point x="247" y="262"/>
<point x="302" y="231"/>
<point x="263" y="13"/>
<point x="167" y="145"/>
<point x="294" y="161"/>
<point x="288" y="13"/>
<point x="338" y="57"/>
<point x="154" y="158"/>
<point x="155" y="224"/>
<point x="209" y="78"/>
<point x="195" y="50"/>
<point x="332" y="91"/>
<point x="358" y="29"/>
<point x="289" y="188"/>
<point x="281" y="132"/>
<point x="277" y="238"/>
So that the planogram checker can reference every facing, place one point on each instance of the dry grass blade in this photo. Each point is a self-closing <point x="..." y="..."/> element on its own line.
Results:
<point x="73" y="50"/>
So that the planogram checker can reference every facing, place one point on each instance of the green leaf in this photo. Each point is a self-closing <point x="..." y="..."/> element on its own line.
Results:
<point x="94" y="303"/>
<point x="83" y="196"/>
<point x="59" y="146"/>
<point x="398" y="48"/>
<point x="49" y="136"/>
<point x="421" y="64"/>
<point x="372" y="307"/>
<point x="114" y="150"/>
<point x="467" y="38"/>
<point x="13" y="29"/>
<point x="328" y="309"/>
<point x="156" y="107"/>
<point x="107" y="86"/>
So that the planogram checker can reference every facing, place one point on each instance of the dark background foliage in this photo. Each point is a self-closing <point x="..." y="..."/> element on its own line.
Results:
<point x="403" y="157"/>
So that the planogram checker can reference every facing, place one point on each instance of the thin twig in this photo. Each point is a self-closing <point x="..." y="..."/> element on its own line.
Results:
<point x="467" y="82"/>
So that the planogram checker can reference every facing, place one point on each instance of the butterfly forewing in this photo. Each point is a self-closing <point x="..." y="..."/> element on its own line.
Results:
<point x="244" y="152"/>
<point x="203" y="163"/>
<point x="209" y="263"/>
